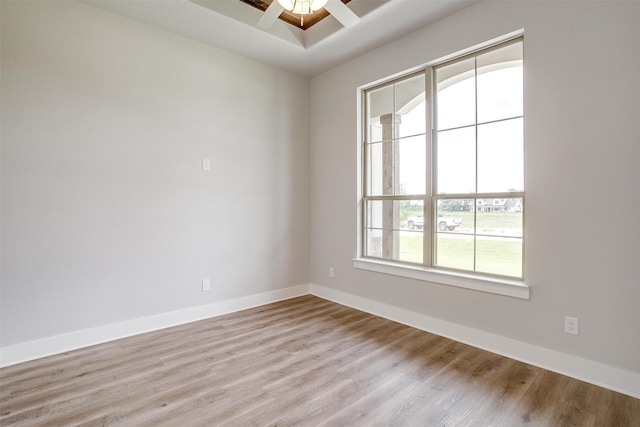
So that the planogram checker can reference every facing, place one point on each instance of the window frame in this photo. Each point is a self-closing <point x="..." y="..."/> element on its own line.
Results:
<point x="426" y="271"/>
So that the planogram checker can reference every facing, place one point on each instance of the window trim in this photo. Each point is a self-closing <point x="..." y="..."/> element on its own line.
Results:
<point x="507" y="286"/>
<point x="494" y="285"/>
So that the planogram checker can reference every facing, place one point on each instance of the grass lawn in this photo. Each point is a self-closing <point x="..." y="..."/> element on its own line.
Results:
<point x="489" y="222"/>
<point x="493" y="255"/>
<point x="411" y="249"/>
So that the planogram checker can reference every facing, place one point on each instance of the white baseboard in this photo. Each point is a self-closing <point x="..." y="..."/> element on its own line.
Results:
<point x="23" y="352"/>
<point x="616" y="379"/>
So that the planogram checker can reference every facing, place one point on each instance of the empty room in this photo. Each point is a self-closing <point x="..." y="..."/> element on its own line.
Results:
<point x="319" y="212"/>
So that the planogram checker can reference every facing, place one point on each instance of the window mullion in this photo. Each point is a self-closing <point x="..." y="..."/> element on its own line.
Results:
<point x="475" y="86"/>
<point x="427" y="229"/>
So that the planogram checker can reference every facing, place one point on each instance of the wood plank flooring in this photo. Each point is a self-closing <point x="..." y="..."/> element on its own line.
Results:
<point x="304" y="361"/>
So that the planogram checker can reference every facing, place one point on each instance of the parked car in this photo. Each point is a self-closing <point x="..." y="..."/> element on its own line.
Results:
<point x="444" y="223"/>
<point x="448" y="223"/>
<point x="416" y="221"/>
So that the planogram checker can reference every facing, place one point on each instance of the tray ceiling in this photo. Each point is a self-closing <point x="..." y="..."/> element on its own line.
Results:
<point x="231" y="25"/>
<point x="291" y="18"/>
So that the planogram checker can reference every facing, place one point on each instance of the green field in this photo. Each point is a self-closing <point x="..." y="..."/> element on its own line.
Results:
<point x="488" y="222"/>
<point x="495" y="256"/>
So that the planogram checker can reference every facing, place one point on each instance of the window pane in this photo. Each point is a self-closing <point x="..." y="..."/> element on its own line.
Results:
<point x="374" y="214"/>
<point x="408" y="245"/>
<point x="375" y="132"/>
<point x="501" y="157"/>
<point x="454" y="251"/>
<point x="379" y="103"/>
<point x="499" y="217"/>
<point x="499" y="255"/>
<point x="410" y="106"/>
<point x="411" y="245"/>
<point x="412" y="165"/>
<point x="397" y="167"/>
<point x="456" y="94"/>
<point x="412" y="214"/>
<point x="395" y="214"/>
<point x="499" y="83"/>
<point x="457" y="161"/>
<point x="394" y="229"/>
<point x="455" y="216"/>
<point x="374" y="169"/>
<point x="373" y="242"/>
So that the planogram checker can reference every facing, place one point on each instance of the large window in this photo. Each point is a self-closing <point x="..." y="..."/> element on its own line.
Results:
<point x="443" y="176"/>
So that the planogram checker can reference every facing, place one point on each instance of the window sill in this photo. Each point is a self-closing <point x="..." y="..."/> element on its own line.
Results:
<point x="511" y="288"/>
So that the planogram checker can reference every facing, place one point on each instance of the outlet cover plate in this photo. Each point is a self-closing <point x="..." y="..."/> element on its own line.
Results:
<point x="571" y="325"/>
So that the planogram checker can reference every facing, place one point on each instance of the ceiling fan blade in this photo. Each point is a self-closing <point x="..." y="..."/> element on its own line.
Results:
<point x="270" y="15"/>
<point x="342" y="13"/>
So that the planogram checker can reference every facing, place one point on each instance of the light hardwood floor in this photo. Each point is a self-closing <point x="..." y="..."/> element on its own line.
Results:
<point x="304" y="361"/>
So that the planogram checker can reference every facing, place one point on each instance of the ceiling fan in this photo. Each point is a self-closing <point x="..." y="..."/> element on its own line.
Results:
<point x="304" y="7"/>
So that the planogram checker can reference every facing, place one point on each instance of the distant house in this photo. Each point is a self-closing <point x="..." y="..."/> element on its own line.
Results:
<point x="499" y="205"/>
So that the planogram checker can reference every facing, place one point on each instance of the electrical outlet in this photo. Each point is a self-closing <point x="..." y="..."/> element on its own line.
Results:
<point x="332" y="272"/>
<point x="206" y="164"/>
<point x="206" y="285"/>
<point x="571" y="325"/>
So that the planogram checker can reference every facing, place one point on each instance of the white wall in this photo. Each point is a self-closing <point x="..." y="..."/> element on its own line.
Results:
<point x="582" y="143"/>
<point x="106" y="213"/>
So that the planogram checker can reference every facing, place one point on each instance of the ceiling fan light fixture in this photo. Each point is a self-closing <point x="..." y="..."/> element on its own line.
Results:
<point x="317" y="4"/>
<point x="302" y="7"/>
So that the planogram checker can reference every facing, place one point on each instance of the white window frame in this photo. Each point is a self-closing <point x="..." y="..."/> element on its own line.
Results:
<point x="512" y="287"/>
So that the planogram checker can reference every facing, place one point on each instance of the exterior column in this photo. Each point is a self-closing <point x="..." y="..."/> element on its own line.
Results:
<point x="390" y="184"/>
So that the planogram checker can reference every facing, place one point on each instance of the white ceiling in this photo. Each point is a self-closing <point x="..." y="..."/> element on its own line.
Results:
<point x="229" y="24"/>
